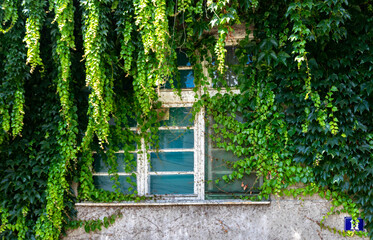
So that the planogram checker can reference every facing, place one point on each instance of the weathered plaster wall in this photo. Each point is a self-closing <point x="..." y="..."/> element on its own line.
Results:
<point x="284" y="218"/>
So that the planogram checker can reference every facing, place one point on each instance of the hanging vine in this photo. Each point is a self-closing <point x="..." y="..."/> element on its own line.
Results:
<point x="125" y="27"/>
<point x="49" y="225"/>
<point x="36" y="15"/>
<point x="304" y="76"/>
<point x="12" y="89"/>
<point x="99" y="108"/>
<point x="10" y="14"/>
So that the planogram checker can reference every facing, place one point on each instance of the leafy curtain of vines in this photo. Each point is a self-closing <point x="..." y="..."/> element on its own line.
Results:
<point x="12" y="89"/>
<point x="306" y="98"/>
<point x="34" y="23"/>
<point x="50" y="223"/>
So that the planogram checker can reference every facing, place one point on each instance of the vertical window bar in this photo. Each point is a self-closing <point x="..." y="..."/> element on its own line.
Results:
<point x="199" y="164"/>
<point x="142" y="162"/>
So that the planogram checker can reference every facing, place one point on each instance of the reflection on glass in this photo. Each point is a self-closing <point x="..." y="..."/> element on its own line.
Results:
<point x="126" y="183"/>
<point x="182" y="59"/>
<point x="230" y="77"/>
<point x="179" y="117"/>
<point x="176" y="139"/>
<point x="172" y="161"/>
<point x="186" y="80"/>
<point x="99" y="165"/>
<point x="249" y="184"/>
<point x="230" y="56"/>
<point x="221" y="160"/>
<point x="171" y="184"/>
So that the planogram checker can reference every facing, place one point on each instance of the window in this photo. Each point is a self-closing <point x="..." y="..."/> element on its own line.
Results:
<point x="219" y="165"/>
<point x="187" y="162"/>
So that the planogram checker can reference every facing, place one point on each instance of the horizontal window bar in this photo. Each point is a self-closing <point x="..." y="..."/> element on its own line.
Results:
<point x="185" y="68"/>
<point x="120" y="151"/>
<point x="222" y="172"/>
<point x="170" y="173"/>
<point x="175" y="128"/>
<point x="173" y="150"/>
<point x="107" y="174"/>
<point x="176" y="104"/>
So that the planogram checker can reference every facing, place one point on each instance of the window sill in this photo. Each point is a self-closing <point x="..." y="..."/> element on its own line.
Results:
<point x="172" y="203"/>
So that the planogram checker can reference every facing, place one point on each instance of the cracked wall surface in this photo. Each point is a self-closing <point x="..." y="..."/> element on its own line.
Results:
<point x="284" y="218"/>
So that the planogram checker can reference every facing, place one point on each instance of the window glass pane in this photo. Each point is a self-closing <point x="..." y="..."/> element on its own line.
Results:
<point x="219" y="163"/>
<point x="230" y="77"/>
<point x="230" y="56"/>
<point x="126" y="183"/>
<point x="172" y="161"/>
<point x="178" y="117"/>
<point x="176" y="139"/>
<point x="220" y="160"/>
<point x="172" y="184"/>
<point x="186" y="80"/>
<point x="249" y="184"/>
<point x="99" y="165"/>
<point x="182" y="59"/>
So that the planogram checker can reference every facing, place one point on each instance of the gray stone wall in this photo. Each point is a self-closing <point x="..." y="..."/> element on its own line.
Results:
<point x="284" y="218"/>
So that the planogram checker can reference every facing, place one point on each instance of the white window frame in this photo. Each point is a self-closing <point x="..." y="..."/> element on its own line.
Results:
<point x="186" y="98"/>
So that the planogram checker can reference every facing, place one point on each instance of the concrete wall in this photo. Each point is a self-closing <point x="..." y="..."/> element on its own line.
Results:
<point x="284" y="218"/>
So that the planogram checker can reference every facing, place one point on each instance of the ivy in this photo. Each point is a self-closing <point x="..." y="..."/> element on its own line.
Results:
<point x="12" y="89"/>
<point x="303" y="115"/>
<point x="10" y="14"/>
<point x="93" y="225"/>
<point x="100" y="103"/>
<point x="126" y="27"/>
<point x="20" y="225"/>
<point x="35" y="12"/>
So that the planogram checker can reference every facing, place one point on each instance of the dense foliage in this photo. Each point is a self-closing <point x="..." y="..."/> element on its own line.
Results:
<point x="68" y="68"/>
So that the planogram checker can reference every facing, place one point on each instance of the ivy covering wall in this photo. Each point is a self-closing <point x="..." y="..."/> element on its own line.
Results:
<point x="69" y="67"/>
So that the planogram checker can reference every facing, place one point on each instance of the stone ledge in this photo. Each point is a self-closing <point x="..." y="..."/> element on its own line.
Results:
<point x="172" y="203"/>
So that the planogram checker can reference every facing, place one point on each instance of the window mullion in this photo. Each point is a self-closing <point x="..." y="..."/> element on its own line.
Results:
<point x="199" y="154"/>
<point x="142" y="181"/>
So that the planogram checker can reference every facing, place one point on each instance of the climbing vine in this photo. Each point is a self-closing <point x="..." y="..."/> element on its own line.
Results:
<point x="10" y="9"/>
<point x="80" y="82"/>
<point x="15" y="73"/>
<point x="34" y="22"/>
<point x="50" y="223"/>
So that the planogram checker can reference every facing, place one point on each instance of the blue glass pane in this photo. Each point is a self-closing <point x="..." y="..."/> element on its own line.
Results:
<point x="172" y="161"/>
<point x="179" y="117"/>
<point x="182" y="59"/>
<point x="172" y="184"/>
<point x="100" y="166"/>
<point x="127" y="183"/>
<point x="176" y="138"/>
<point x="186" y="80"/>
